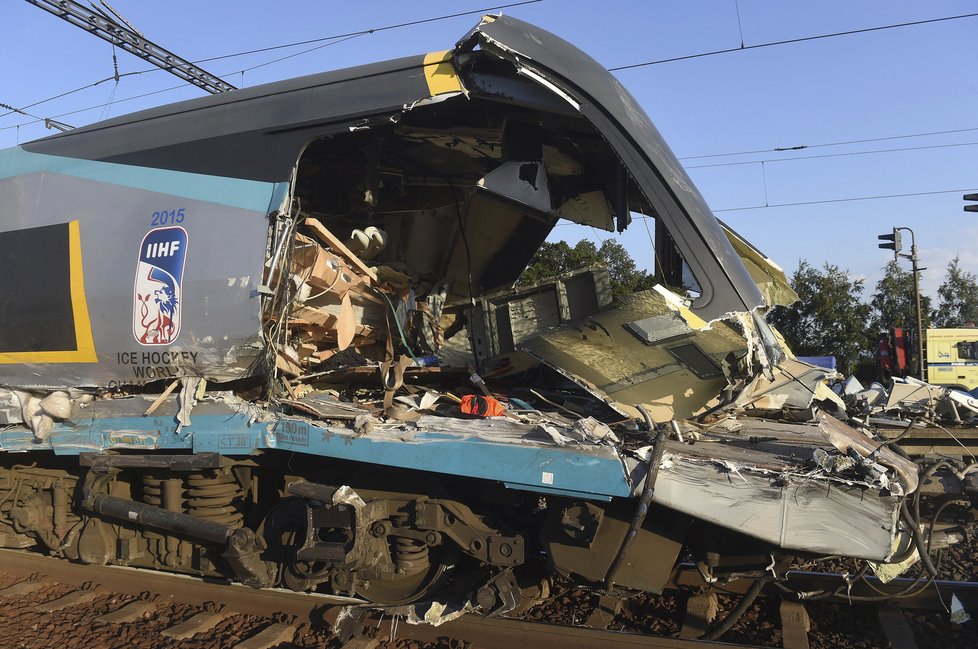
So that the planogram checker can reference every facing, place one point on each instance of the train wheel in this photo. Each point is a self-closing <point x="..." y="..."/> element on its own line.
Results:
<point x="415" y="570"/>
<point x="406" y="587"/>
<point x="283" y="532"/>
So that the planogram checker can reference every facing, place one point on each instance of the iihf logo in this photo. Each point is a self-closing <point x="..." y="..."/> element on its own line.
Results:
<point x="158" y="294"/>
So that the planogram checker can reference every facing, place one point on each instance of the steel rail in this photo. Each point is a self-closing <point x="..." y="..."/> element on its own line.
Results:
<point x="305" y="607"/>
<point x="506" y="633"/>
<point x="931" y="597"/>
<point x="319" y="609"/>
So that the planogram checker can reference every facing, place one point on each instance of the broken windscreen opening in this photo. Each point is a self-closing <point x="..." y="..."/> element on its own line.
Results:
<point x="584" y="87"/>
<point x="442" y="207"/>
<point x="468" y="188"/>
<point x="464" y="190"/>
<point x="668" y="266"/>
<point x="444" y="204"/>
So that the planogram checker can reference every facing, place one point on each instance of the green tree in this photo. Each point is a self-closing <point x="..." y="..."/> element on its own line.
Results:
<point x="959" y="297"/>
<point x="894" y="305"/>
<point x="553" y="259"/>
<point x="557" y="258"/>
<point x="829" y="319"/>
<point x="893" y="302"/>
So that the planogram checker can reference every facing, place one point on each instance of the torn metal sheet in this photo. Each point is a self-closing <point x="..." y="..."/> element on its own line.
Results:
<point x="910" y="397"/>
<point x="500" y="321"/>
<point x="521" y="455"/>
<point x="851" y="386"/>
<point x="795" y="384"/>
<point x="887" y="572"/>
<point x="212" y="327"/>
<point x="844" y="438"/>
<point x="628" y="369"/>
<point x="768" y="275"/>
<point x="910" y="402"/>
<point x="236" y="350"/>
<point x="913" y="395"/>
<point x="768" y="489"/>
<point x="10" y="408"/>
<point x="740" y="483"/>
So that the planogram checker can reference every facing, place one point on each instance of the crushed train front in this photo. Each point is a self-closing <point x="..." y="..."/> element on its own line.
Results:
<point x="283" y="343"/>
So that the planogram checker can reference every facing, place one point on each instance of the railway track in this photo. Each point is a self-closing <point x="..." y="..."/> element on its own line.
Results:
<point x="248" y="618"/>
<point x="283" y="613"/>
<point x="921" y="596"/>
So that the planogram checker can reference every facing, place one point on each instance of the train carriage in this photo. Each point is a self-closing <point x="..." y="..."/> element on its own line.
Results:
<point x="272" y="335"/>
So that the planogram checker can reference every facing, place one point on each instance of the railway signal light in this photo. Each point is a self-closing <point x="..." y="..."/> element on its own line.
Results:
<point x="892" y="241"/>
<point x="971" y="208"/>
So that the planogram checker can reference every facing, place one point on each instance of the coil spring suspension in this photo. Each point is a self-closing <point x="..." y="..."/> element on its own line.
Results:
<point x="168" y="493"/>
<point x="204" y="496"/>
<point x="152" y="490"/>
<point x="216" y="497"/>
<point x="410" y="556"/>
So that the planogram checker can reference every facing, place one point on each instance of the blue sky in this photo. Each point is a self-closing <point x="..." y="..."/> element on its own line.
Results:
<point x="880" y="84"/>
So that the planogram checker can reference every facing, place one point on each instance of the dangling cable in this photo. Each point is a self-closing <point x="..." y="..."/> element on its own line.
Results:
<point x="735" y="614"/>
<point x="465" y="240"/>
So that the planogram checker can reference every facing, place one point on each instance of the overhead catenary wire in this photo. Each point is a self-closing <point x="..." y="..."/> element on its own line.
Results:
<point x="843" y="200"/>
<point x="19" y="111"/>
<point x="818" y="202"/>
<point x="830" y="155"/>
<point x="363" y="32"/>
<point x="505" y="6"/>
<point x="11" y="109"/>
<point x="801" y="147"/>
<point x="96" y="107"/>
<point x="828" y="200"/>
<point x="335" y="37"/>
<point x="295" y="54"/>
<point x="740" y="26"/>
<point x="790" y="41"/>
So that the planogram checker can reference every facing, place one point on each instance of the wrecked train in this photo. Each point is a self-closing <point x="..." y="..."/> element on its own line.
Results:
<point x="271" y="335"/>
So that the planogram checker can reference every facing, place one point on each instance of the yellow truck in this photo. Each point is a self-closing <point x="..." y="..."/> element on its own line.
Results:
<point x="952" y="357"/>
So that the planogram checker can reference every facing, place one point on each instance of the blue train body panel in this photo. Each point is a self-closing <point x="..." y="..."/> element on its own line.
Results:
<point x="584" y="470"/>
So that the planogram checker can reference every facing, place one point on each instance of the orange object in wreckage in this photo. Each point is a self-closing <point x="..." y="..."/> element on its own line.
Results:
<point x="475" y="404"/>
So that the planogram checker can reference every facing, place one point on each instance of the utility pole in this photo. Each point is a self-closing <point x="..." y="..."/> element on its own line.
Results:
<point x="895" y="243"/>
<point x="125" y="37"/>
